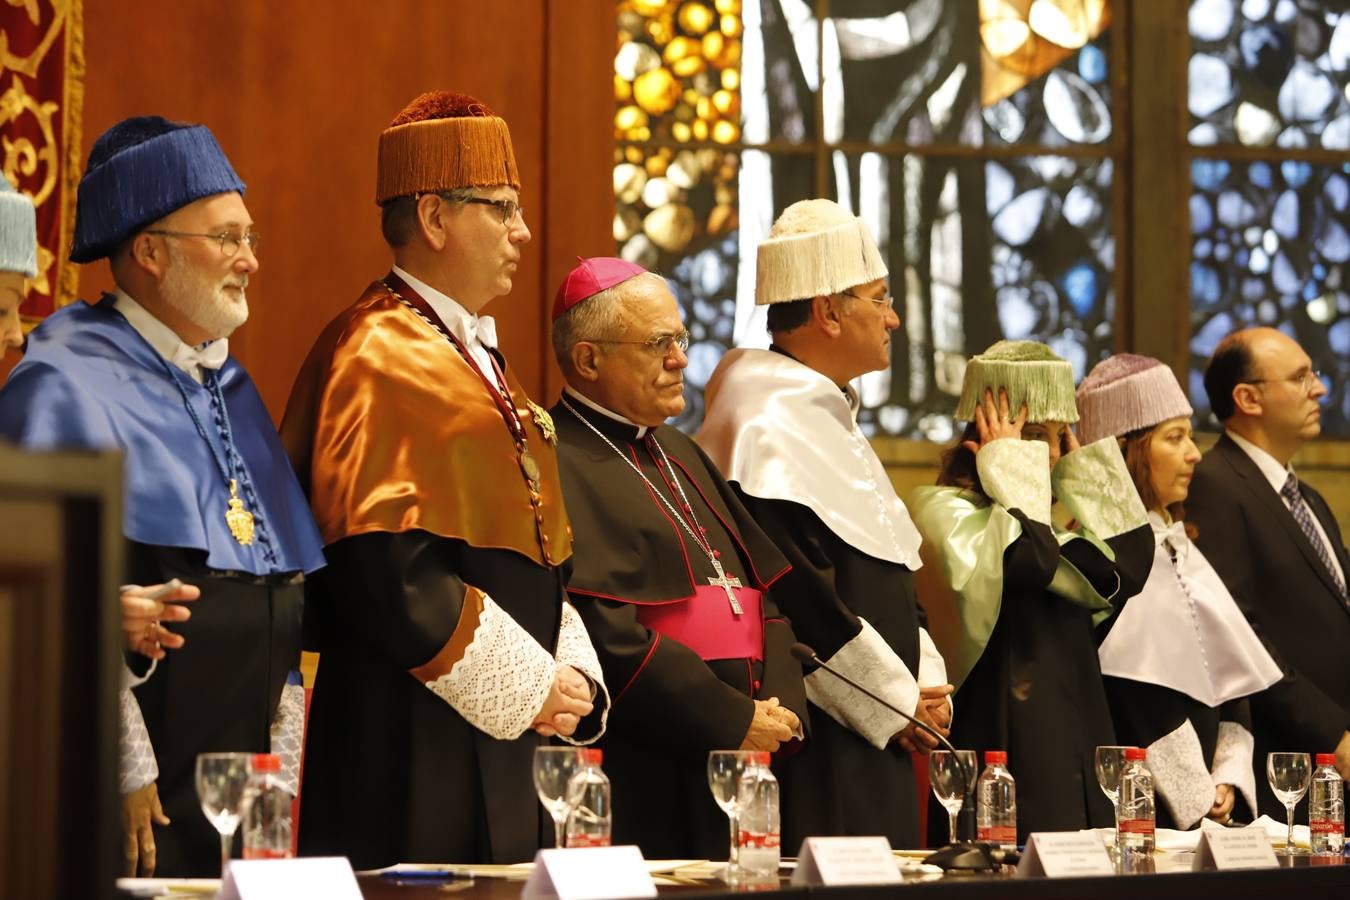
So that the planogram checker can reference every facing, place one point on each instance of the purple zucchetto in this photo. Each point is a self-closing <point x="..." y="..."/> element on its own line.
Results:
<point x="1125" y="393"/>
<point x="139" y="171"/>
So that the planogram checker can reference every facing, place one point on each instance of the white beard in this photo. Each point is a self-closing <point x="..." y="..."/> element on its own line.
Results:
<point x="205" y="304"/>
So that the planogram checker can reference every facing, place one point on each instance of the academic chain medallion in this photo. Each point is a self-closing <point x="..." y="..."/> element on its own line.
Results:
<point x="724" y="581"/>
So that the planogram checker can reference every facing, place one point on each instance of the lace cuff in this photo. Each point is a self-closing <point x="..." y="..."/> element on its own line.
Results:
<point x="576" y="650"/>
<point x="871" y="662"/>
<point x="136" y="757"/>
<point x="288" y="731"/>
<point x="1016" y="475"/>
<point x="1093" y="483"/>
<point x="502" y="677"/>
<point x="1233" y="761"/>
<point x="1179" y="772"/>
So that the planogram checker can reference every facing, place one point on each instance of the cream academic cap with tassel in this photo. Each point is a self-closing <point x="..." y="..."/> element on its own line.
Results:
<point x="815" y="249"/>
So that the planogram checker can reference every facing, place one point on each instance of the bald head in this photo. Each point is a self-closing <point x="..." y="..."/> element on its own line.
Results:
<point x="1261" y="385"/>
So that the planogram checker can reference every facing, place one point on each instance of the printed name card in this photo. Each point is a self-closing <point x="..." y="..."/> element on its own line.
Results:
<point x="1234" y="848"/>
<point x="590" y="873"/>
<point x="1064" y="854"/>
<point x="283" y="879"/>
<point x="845" y="860"/>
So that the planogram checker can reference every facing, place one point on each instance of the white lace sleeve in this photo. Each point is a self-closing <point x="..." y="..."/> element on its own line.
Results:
<point x="1233" y="761"/>
<point x="1182" y="779"/>
<point x="503" y="678"/>
<point x="1093" y="483"/>
<point x="288" y="732"/>
<point x="871" y="662"/>
<point x="576" y="650"/>
<point x="136" y="757"/>
<point x="1015" y="474"/>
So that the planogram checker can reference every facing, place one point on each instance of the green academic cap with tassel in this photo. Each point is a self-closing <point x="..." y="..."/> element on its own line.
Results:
<point x="1032" y="373"/>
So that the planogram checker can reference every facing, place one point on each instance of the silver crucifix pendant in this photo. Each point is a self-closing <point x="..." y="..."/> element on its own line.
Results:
<point x="726" y="582"/>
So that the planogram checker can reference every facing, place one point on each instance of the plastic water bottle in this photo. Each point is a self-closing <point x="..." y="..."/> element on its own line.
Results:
<point x="996" y="802"/>
<point x="760" y="837"/>
<point x="266" y="816"/>
<point x="1135" y="834"/>
<point x="590" y="821"/>
<point x="1326" y="807"/>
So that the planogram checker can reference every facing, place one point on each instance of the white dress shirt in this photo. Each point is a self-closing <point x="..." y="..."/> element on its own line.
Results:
<point x="1277" y="475"/>
<point x="477" y="333"/>
<point x="166" y="342"/>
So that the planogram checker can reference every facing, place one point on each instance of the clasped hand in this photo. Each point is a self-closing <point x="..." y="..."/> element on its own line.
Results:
<point x="771" y="726"/>
<point x="935" y="711"/>
<point x="568" y="702"/>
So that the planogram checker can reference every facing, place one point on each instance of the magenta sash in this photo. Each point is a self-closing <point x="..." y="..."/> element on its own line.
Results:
<point x="705" y="623"/>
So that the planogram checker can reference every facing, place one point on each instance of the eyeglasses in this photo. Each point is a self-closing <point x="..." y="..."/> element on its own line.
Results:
<point x="887" y="301"/>
<point x="230" y="242"/>
<point x="661" y="345"/>
<point x="507" y="209"/>
<point x="1304" y="380"/>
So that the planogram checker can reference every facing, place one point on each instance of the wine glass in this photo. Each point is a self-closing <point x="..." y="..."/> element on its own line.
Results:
<point x="724" y="778"/>
<point x="1109" y="761"/>
<point x="950" y="784"/>
<point x="553" y="768"/>
<point x="221" y="780"/>
<point x="1289" y="775"/>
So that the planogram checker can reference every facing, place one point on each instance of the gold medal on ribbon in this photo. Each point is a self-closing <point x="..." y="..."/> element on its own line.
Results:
<point x="530" y="468"/>
<point x="239" y="519"/>
<point x="544" y="421"/>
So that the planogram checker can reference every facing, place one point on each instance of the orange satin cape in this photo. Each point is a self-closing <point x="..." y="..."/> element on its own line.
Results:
<point x="389" y="429"/>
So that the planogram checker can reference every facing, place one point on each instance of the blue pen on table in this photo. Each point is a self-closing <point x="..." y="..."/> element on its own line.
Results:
<point x="425" y="875"/>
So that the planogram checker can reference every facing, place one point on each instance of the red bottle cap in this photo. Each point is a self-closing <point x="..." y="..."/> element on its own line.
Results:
<point x="592" y="755"/>
<point x="1326" y="759"/>
<point x="1136" y="753"/>
<point x="999" y="757"/>
<point x="266" y="762"/>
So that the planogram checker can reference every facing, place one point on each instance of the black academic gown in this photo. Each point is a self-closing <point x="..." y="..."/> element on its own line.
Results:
<point x="1143" y="713"/>
<point x="244" y="631"/>
<point x="840" y="784"/>
<point x="671" y="707"/>
<point x="1037" y="690"/>
<point x="386" y="758"/>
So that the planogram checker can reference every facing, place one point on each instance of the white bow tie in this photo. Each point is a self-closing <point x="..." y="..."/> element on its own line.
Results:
<point x="211" y="355"/>
<point x="483" y="328"/>
<point x="1174" y="535"/>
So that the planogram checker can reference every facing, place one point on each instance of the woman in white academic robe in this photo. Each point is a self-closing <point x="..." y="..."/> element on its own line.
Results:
<point x="1180" y="659"/>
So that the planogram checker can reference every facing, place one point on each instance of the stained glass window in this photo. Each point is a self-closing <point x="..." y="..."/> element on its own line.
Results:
<point x="1269" y="97"/>
<point x="1269" y="73"/>
<point x="1270" y="247"/>
<point x="944" y="125"/>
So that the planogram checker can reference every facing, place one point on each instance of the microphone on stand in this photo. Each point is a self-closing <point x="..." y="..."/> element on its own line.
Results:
<point x="965" y="855"/>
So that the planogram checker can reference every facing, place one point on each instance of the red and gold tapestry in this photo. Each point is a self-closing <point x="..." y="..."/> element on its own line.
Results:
<point x="41" y="101"/>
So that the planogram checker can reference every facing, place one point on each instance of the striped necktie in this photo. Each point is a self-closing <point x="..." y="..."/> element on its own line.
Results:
<point x="1303" y="516"/>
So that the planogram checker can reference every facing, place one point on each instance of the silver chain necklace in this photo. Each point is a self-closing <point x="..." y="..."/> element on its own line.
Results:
<point x="724" y="581"/>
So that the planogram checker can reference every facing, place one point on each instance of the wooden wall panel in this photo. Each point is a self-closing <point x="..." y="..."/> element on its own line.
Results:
<point x="297" y="94"/>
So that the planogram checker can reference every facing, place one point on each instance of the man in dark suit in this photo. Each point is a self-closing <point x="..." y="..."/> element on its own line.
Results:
<point x="1276" y="544"/>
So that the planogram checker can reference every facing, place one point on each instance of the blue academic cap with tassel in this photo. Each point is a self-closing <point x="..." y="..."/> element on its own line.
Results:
<point x="139" y="171"/>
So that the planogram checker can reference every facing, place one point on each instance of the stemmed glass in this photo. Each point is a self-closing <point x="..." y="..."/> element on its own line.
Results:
<point x="724" y="778"/>
<point x="1289" y="775"/>
<point x="950" y="784"/>
<point x="221" y="780"/>
<point x="1108" y="763"/>
<point x="553" y="768"/>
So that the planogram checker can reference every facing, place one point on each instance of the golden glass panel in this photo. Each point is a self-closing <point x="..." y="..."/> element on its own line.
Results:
<point x="1021" y="40"/>
<point x="670" y="227"/>
<point x="695" y="17"/>
<point x="656" y="91"/>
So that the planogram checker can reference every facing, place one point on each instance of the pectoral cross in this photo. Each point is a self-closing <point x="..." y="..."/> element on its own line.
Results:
<point x="726" y="582"/>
